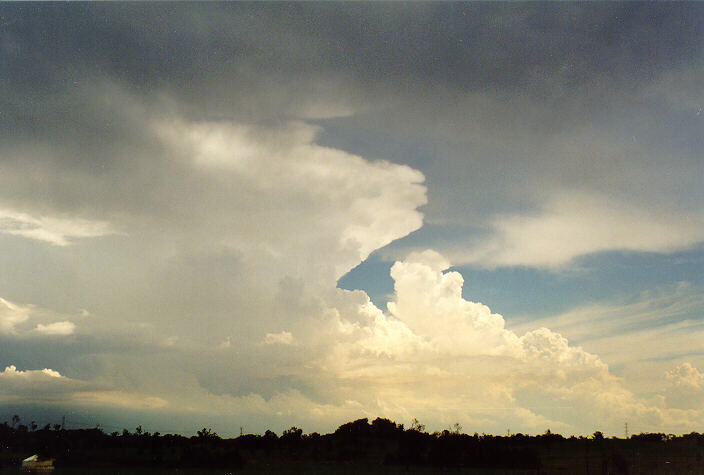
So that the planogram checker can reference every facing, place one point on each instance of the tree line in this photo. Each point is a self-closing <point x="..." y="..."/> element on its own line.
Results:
<point x="380" y="442"/>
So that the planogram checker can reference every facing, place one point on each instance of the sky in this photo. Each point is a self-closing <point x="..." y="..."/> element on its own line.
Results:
<point x="265" y="215"/>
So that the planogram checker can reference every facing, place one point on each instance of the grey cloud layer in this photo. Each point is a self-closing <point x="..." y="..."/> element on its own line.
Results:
<point x="202" y="52"/>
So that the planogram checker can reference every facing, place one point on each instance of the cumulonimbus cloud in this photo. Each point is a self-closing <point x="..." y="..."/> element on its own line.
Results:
<point x="240" y="213"/>
<point x="438" y="356"/>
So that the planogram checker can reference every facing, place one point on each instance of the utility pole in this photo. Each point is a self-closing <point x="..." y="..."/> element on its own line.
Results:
<point x="63" y="422"/>
<point x="625" y="429"/>
<point x="240" y="431"/>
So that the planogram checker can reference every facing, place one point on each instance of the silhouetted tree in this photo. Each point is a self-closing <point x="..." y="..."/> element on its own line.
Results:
<point x="417" y="426"/>
<point x="294" y="433"/>
<point x="207" y="434"/>
<point x="354" y="428"/>
<point x="385" y="427"/>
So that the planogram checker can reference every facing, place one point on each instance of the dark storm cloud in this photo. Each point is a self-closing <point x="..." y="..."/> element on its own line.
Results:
<point x="188" y="49"/>
<point x="82" y="79"/>
<point x="82" y="83"/>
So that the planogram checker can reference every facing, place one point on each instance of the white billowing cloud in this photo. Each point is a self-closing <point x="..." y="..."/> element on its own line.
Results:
<point x="10" y="315"/>
<point x="13" y="314"/>
<point x="12" y="372"/>
<point x="314" y="210"/>
<point x="639" y="338"/>
<point x="281" y="338"/>
<point x="572" y="224"/>
<point x="685" y="387"/>
<point x="214" y="213"/>
<point x="35" y="385"/>
<point x="231" y="210"/>
<point x="388" y="336"/>
<point x="48" y="386"/>
<point x="56" y="328"/>
<point x="430" y="303"/>
<point x="53" y="230"/>
<point x="439" y="357"/>
<point x="687" y="376"/>
<point x="434" y="356"/>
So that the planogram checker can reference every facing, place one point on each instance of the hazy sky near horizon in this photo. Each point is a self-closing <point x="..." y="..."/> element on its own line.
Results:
<point x="262" y="215"/>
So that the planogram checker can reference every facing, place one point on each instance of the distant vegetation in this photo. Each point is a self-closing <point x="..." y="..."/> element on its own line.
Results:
<point x="377" y="443"/>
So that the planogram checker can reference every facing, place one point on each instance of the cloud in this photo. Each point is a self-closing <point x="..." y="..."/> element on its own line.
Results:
<point x="244" y="188"/>
<point x="35" y="385"/>
<point x="12" y="372"/>
<point x="118" y="399"/>
<point x="685" y="387"/>
<point x="11" y="315"/>
<point x="640" y="337"/>
<point x="282" y="338"/>
<point x="435" y="352"/>
<point x="686" y="375"/>
<point x="430" y="303"/>
<point x="440" y="357"/>
<point x="433" y="355"/>
<point x="349" y="205"/>
<point x="47" y="386"/>
<point x="657" y="325"/>
<point x="52" y="230"/>
<point x="56" y="328"/>
<point x="574" y="224"/>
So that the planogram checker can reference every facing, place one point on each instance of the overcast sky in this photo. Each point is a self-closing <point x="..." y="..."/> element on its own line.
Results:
<point x="266" y="215"/>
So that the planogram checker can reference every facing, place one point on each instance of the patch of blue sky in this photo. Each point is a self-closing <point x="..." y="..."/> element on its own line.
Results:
<point x="523" y="292"/>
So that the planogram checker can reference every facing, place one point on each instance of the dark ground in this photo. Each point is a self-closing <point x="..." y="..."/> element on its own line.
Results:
<point x="356" y="447"/>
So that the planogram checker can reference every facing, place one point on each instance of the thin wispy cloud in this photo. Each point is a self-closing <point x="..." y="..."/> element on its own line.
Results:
<point x="56" y="231"/>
